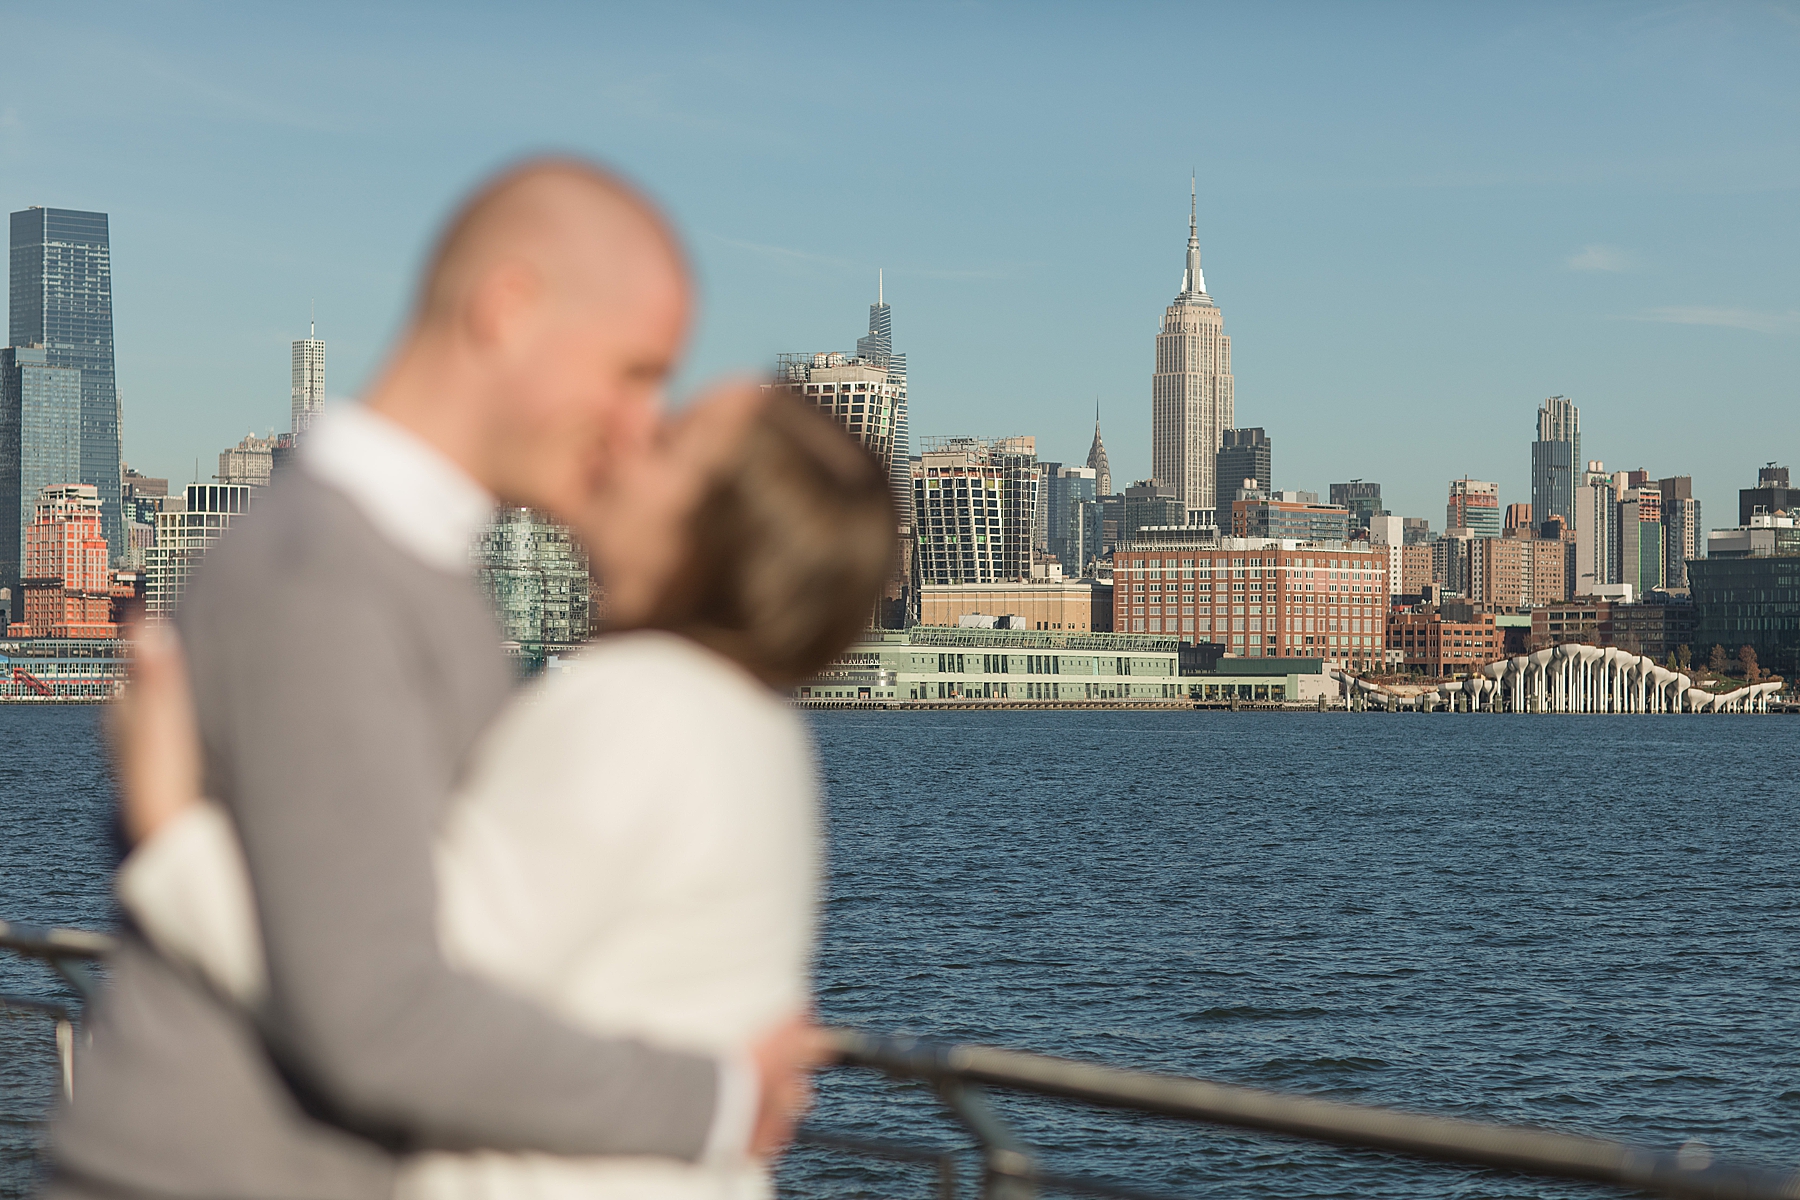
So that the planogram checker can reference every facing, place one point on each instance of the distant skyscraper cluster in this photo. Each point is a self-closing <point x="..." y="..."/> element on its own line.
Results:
<point x="59" y="399"/>
<point x="1205" y="552"/>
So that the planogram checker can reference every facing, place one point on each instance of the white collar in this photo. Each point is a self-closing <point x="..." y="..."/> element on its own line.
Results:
<point x="414" y="496"/>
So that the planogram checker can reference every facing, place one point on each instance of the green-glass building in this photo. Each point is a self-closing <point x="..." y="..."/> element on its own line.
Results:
<point x="1747" y="593"/>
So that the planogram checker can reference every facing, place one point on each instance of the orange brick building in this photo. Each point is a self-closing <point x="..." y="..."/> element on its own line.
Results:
<point x="1433" y="646"/>
<point x="68" y="590"/>
<point x="1257" y="598"/>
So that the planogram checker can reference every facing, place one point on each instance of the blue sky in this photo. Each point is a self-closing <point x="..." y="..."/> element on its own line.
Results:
<point x="1418" y="219"/>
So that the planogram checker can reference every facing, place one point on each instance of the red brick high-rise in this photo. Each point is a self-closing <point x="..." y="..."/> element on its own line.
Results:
<point x="65" y="579"/>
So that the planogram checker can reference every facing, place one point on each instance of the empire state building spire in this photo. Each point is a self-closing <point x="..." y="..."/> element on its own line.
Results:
<point x="1193" y="280"/>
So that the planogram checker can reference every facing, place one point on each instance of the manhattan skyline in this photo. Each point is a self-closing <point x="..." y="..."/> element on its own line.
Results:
<point x="1420" y="223"/>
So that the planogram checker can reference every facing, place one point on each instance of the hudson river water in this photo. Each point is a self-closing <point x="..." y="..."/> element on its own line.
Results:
<point x="1585" y="922"/>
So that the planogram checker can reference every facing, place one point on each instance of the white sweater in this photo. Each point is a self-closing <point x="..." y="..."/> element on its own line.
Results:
<point x="636" y="847"/>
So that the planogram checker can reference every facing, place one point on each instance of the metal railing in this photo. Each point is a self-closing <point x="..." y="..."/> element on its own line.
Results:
<point x="959" y="1073"/>
<point x="71" y="954"/>
<point x="960" y="1076"/>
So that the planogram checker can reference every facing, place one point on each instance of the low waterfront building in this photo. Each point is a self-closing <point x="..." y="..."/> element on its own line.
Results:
<point x="930" y="665"/>
<point x="1057" y="605"/>
<point x="62" y="670"/>
<point x="1429" y="644"/>
<point x="1256" y="597"/>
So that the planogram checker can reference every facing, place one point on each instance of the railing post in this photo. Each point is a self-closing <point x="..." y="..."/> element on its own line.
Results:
<point x="65" y="1052"/>
<point x="1007" y="1167"/>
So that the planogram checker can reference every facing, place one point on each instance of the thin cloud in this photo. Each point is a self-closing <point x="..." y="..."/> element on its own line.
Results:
<point x="809" y="258"/>
<point x="1600" y="258"/>
<point x="1727" y="318"/>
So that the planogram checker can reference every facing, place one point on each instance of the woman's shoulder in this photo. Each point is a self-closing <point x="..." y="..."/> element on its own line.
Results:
<point x="655" y="675"/>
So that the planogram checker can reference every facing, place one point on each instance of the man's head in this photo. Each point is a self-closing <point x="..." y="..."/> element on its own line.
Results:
<point x="550" y="317"/>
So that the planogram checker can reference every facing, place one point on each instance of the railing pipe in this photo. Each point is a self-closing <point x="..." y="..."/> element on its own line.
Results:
<point x="1693" y="1172"/>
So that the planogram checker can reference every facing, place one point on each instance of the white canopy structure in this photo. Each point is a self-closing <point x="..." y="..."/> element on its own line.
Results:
<point x="1569" y="678"/>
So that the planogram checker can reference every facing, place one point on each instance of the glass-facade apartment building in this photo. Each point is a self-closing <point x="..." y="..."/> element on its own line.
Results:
<point x="61" y="301"/>
<point x="1556" y="472"/>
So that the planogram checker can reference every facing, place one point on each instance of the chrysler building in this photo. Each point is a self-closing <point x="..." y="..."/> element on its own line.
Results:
<point x="1190" y="396"/>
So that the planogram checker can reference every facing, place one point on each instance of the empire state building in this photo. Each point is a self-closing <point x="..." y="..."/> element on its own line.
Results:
<point x="1190" y="394"/>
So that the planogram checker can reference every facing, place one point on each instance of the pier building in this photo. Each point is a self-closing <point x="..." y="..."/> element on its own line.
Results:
<point x="930" y="665"/>
<point x="62" y="670"/>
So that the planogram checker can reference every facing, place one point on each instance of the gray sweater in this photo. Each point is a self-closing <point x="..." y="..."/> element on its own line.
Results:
<point x="340" y="685"/>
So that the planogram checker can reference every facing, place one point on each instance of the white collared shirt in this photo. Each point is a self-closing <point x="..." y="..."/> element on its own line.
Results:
<point x="414" y="496"/>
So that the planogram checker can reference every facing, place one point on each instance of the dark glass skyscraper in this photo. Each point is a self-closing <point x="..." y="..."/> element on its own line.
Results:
<point x="61" y="300"/>
<point x="1362" y="498"/>
<point x="1243" y="454"/>
<point x="1556" y="463"/>
<point x="40" y="447"/>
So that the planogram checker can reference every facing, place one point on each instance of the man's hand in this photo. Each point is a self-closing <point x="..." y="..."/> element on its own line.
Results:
<point x="785" y="1058"/>
<point x="156" y="747"/>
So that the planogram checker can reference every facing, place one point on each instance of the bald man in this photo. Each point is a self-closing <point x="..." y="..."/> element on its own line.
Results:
<point x="344" y="663"/>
